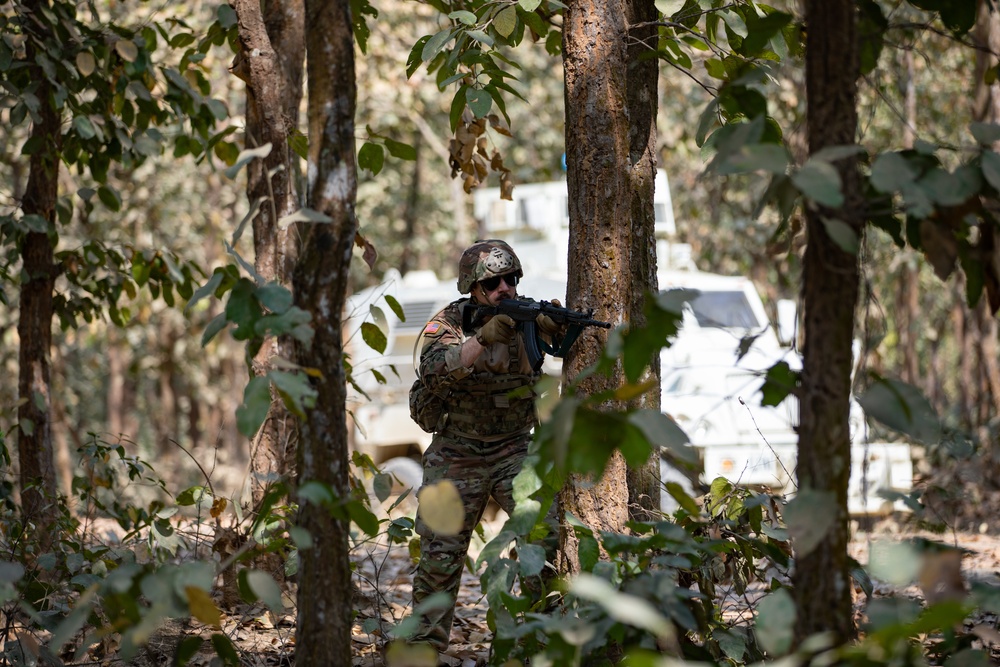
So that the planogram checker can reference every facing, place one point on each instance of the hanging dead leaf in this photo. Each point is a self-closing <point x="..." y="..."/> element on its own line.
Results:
<point x="218" y="507"/>
<point x="940" y="247"/>
<point x="369" y="254"/>
<point x="480" y="165"/>
<point x="441" y="508"/>
<point x="481" y="147"/>
<point x="506" y="186"/>
<point x="499" y="125"/>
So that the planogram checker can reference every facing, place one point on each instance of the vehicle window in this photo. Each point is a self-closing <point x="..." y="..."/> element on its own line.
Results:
<point x="724" y="310"/>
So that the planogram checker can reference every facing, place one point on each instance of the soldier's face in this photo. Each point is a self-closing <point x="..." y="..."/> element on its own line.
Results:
<point x="499" y="292"/>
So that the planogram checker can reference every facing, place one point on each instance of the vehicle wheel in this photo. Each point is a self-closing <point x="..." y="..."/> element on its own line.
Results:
<point x="408" y="475"/>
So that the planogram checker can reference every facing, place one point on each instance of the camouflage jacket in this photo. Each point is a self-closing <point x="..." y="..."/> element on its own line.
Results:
<point x="491" y="400"/>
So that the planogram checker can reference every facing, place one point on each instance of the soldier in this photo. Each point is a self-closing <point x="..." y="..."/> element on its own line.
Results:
<point x="482" y="425"/>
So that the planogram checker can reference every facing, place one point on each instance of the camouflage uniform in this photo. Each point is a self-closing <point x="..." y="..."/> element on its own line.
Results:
<point x="480" y="447"/>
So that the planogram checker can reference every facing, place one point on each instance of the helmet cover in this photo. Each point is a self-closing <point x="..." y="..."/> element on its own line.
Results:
<point x="485" y="259"/>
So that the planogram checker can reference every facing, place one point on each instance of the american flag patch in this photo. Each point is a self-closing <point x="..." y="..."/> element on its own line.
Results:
<point x="432" y="327"/>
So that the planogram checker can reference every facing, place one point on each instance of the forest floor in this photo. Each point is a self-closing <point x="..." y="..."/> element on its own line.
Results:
<point x="384" y="575"/>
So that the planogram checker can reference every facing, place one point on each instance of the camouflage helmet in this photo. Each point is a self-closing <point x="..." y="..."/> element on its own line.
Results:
<point x="485" y="259"/>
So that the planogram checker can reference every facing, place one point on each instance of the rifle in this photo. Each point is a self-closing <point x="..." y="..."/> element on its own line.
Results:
<point x="524" y="313"/>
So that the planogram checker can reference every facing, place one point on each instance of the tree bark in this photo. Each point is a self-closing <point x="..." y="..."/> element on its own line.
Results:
<point x="641" y="97"/>
<point x="830" y="293"/>
<point x="34" y="327"/>
<point x="986" y="109"/>
<point x="600" y="275"/>
<point x="320" y="280"/>
<point x="270" y="60"/>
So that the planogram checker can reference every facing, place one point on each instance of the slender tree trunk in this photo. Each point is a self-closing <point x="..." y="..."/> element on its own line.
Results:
<point x="830" y="294"/>
<point x="114" y="401"/>
<point x="642" y="99"/>
<point x="406" y="260"/>
<point x="321" y="275"/>
<point x="986" y="108"/>
<point x="34" y="326"/>
<point x="600" y="277"/>
<point x="272" y="49"/>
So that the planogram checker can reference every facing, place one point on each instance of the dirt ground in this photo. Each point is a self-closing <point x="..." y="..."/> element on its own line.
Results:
<point x="384" y="576"/>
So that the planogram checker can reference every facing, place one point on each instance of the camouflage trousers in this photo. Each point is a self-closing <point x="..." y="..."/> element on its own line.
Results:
<point x="479" y="470"/>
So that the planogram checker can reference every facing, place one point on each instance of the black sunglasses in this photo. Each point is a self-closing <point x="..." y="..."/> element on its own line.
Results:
<point x="490" y="284"/>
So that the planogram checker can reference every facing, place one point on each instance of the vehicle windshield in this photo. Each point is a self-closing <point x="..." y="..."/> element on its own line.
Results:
<point x="729" y="310"/>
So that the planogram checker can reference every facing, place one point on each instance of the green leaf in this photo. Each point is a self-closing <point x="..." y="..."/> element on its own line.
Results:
<point x="480" y="37"/>
<point x="779" y="382"/>
<point x="276" y="298"/>
<point x="296" y="391"/>
<point x="127" y="49"/>
<point x="589" y="552"/>
<point x="435" y="44"/>
<point x="951" y="189"/>
<point x="36" y="223"/>
<point x="505" y="21"/>
<point x="629" y="609"/>
<point x="187" y="647"/>
<point x="304" y="214"/>
<point x="463" y="16"/>
<point x="226" y="15"/>
<point x="246" y="156"/>
<point x="400" y="150"/>
<point x="842" y="234"/>
<point x="265" y="589"/>
<point x="84" y="128"/>
<point x="902" y="407"/>
<point x="374" y="337"/>
<point x="990" y="164"/>
<point x="371" y="157"/>
<point x="663" y="432"/>
<point x="776" y="622"/>
<point x="986" y="134"/>
<point x="531" y="559"/>
<point x="820" y="182"/>
<point x="225" y="650"/>
<point x="771" y="158"/>
<point x="810" y="515"/>
<point x="480" y="101"/>
<point x="891" y="172"/>
<point x="382" y="486"/>
<point x="395" y="307"/>
<point x="110" y="197"/>
<point x="218" y="323"/>
<point x="206" y="289"/>
<point x="529" y="5"/>
<point x="256" y="402"/>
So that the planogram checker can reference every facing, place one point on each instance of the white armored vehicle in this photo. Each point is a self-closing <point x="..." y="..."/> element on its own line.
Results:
<point x="711" y="374"/>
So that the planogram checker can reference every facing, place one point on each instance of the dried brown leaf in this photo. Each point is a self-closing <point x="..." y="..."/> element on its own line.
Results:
<point x="499" y="125"/>
<point x="506" y="185"/>
<point x="370" y="254"/>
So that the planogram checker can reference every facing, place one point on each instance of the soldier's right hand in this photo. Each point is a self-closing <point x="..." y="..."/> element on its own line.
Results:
<point x="500" y="329"/>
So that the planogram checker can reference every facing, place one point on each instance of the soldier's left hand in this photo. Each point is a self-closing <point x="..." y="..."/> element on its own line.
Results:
<point x="546" y="324"/>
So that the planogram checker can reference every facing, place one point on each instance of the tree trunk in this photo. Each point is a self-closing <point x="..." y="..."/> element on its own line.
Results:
<point x="321" y="275"/>
<point x="986" y="109"/>
<point x="830" y="293"/>
<point x="641" y="82"/>
<point x="600" y="276"/>
<point x="407" y="258"/>
<point x="34" y="326"/>
<point x="272" y="48"/>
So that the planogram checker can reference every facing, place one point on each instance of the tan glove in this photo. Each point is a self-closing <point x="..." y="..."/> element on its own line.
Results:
<point x="546" y="324"/>
<point x="500" y="329"/>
